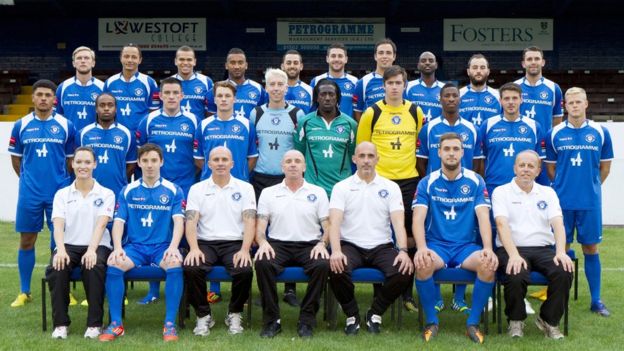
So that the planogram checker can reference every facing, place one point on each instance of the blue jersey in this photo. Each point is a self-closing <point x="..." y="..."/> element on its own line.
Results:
<point x="237" y="134"/>
<point x="275" y="130"/>
<point x="77" y="102"/>
<point x="428" y="98"/>
<point x="502" y="140"/>
<point x="429" y="141"/>
<point x="249" y="94"/>
<point x="300" y="95"/>
<point x="43" y="147"/>
<point x="148" y="212"/>
<point x="196" y="94"/>
<point x="368" y="91"/>
<point x="451" y="206"/>
<point x="346" y="84"/>
<point x="135" y="98"/>
<point x="541" y="101"/>
<point x="578" y="153"/>
<point x="176" y="136"/>
<point x="478" y="106"/>
<point x="114" y="148"/>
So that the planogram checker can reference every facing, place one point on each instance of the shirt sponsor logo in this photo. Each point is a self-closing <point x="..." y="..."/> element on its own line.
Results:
<point x="383" y="193"/>
<point x="542" y="205"/>
<point x="138" y="91"/>
<point x="396" y="120"/>
<point x="98" y="202"/>
<point x="236" y="196"/>
<point x="590" y="138"/>
<point x="465" y="189"/>
<point x="311" y="197"/>
<point x="164" y="199"/>
<point x="55" y="129"/>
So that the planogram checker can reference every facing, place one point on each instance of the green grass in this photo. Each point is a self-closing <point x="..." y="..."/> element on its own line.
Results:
<point x="21" y="328"/>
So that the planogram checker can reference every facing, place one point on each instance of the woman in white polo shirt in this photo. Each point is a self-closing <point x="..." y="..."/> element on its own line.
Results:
<point x="80" y="214"/>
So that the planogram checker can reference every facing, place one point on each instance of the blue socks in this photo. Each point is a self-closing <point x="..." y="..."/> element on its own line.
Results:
<point x="115" y="293"/>
<point x="25" y="266"/>
<point x="592" y="272"/>
<point x="215" y="287"/>
<point x="480" y="294"/>
<point x="428" y="296"/>
<point x="460" y="293"/>
<point x="173" y="293"/>
<point x="154" y="289"/>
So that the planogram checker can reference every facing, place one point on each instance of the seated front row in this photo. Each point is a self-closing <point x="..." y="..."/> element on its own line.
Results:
<point x="220" y="224"/>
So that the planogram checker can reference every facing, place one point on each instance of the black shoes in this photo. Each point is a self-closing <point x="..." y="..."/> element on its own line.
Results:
<point x="304" y="330"/>
<point x="271" y="329"/>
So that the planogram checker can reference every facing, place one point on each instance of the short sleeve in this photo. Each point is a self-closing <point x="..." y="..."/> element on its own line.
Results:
<point x="395" y="199"/>
<point x="249" y="201"/>
<point x="482" y="198"/>
<point x="322" y="209"/>
<point x="108" y="205"/>
<point x="423" y="143"/>
<point x="178" y="205"/>
<point x="131" y="155"/>
<point x="252" y="147"/>
<point x="607" y="146"/>
<point x="198" y="142"/>
<point x="264" y="207"/>
<point x="121" y="207"/>
<point x="337" y="198"/>
<point x="558" y="106"/>
<point x="59" y="206"/>
<point x="421" y="197"/>
<point x="551" y="154"/>
<point x="71" y="139"/>
<point x="141" y="132"/>
<point x="153" y="101"/>
<point x="554" y="208"/>
<point x="499" y="202"/>
<point x="15" y="142"/>
<point x="358" y="96"/>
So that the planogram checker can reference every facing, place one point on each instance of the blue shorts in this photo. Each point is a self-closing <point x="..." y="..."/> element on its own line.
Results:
<point x="588" y="225"/>
<point x="453" y="255"/>
<point x="146" y="255"/>
<point x="29" y="214"/>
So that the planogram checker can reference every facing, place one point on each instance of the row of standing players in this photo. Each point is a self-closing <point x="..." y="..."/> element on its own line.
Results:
<point x="533" y="58"/>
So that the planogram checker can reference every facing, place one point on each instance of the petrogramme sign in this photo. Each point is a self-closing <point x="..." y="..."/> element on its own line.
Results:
<point x="497" y="34"/>
<point x="151" y="33"/>
<point x="318" y="33"/>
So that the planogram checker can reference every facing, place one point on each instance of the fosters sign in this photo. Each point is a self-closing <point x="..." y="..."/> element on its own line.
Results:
<point x="497" y="34"/>
<point x="151" y="33"/>
<point x="318" y="33"/>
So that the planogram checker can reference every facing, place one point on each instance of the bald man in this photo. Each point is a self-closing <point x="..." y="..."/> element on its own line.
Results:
<point x="530" y="222"/>
<point x="220" y="224"/>
<point x="295" y="212"/>
<point x="361" y="209"/>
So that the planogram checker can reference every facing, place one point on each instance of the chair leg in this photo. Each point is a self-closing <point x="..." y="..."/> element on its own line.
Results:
<point x="400" y="312"/>
<point x="499" y="308"/>
<point x="182" y="310"/>
<point x="249" y="303"/>
<point x="44" y="317"/>
<point x="332" y="308"/>
<point x="576" y="272"/>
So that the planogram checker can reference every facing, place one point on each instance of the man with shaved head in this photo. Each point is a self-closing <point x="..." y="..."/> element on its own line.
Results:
<point x="425" y="91"/>
<point x="220" y="222"/>
<point x="361" y="209"/>
<point x="529" y="222"/>
<point x="295" y="212"/>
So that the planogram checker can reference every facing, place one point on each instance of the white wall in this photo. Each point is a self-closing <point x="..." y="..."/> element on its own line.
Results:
<point x="612" y="189"/>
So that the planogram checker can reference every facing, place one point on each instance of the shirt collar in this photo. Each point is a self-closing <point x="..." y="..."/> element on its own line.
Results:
<point x="99" y="126"/>
<point x="516" y="189"/>
<point x="526" y="82"/>
<point x="39" y="119"/>
<point x="304" y="186"/>
<point x="158" y="182"/>
<point x="571" y="126"/>
<point x="422" y="82"/>
<point x="358" y="180"/>
<point x="95" y="189"/>
<point x="445" y="121"/>
<point x="179" y="77"/>
<point x="234" y="83"/>
<point x="79" y="83"/>
<point x="459" y="176"/>
<point x="132" y="79"/>
<point x="162" y="112"/>
<point x="212" y="184"/>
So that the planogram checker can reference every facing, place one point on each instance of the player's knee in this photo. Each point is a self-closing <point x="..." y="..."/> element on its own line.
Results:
<point x="27" y="241"/>
<point x="263" y="265"/>
<point x="484" y="273"/>
<point x="424" y="273"/>
<point x="321" y="264"/>
<point x="590" y="249"/>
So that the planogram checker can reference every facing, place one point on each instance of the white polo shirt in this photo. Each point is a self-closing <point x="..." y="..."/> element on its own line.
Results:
<point x="529" y="214"/>
<point x="366" y="209"/>
<point x="294" y="216"/>
<point x="221" y="209"/>
<point x="81" y="213"/>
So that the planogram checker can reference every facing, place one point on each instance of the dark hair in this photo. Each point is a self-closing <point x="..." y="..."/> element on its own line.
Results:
<point x="340" y="46"/>
<point x="450" y="136"/>
<point x="235" y="51"/>
<point x="150" y="147"/>
<point x="44" y="83"/>
<point x="478" y="56"/>
<point x="131" y="45"/>
<point x="170" y="80"/>
<point x="185" y="48"/>
<point x="87" y="149"/>
<point x="292" y="52"/>
<point x="386" y="41"/>
<point x="510" y="87"/>
<point x="532" y="48"/>
<point x="447" y="86"/>
<point x="394" y="71"/>
<point x="223" y="84"/>
<point x="326" y="81"/>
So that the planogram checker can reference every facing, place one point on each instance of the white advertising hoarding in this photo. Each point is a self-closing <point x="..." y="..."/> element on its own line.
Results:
<point x="151" y="34"/>
<point x="318" y="33"/>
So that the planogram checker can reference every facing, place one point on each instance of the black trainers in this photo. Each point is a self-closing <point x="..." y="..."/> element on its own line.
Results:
<point x="304" y="330"/>
<point x="352" y="326"/>
<point x="291" y="298"/>
<point x="271" y="329"/>
<point x="373" y="322"/>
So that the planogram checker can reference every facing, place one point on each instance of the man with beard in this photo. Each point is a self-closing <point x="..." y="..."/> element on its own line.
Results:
<point x="446" y="206"/>
<point x="478" y="101"/>
<point x="337" y="60"/>
<point x="425" y="91"/>
<point x="299" y="93"/>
